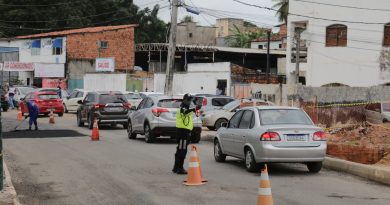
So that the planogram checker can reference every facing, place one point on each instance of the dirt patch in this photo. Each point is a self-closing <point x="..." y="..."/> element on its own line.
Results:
<point x="365" y="143"/>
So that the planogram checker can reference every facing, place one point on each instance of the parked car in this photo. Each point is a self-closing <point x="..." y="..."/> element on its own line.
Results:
<point x="64" y="93"/>
<point x="70" y="103"/>
<point x="377" y="112"/>
<point x="46" y="102"/>
<point x="212" y="102"/>
<point x="213" y="119"/>
<point x="146" y="94"/>
<point x="4" y="101"/>
<point x="269" y="134"/>
<point x="155" y="116"/>
<point x="108" y="107"/>
<point x="133" y="98"/>
<point x="21" y="92"/>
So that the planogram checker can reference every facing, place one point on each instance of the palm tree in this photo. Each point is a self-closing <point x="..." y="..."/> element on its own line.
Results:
<point x="282" y="7"/>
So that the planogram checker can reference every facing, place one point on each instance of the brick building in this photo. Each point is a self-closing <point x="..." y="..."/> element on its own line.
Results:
<point x="82" y="46"/>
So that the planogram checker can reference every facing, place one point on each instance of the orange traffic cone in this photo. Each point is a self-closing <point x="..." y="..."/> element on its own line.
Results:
<point x="200" y="168"/>
<point x="95" y="131"/>
<point x="264" y="196"/>
<point x="51" y="117"/>
<point x="194" y="177"/>
<point x="19" y="116"/>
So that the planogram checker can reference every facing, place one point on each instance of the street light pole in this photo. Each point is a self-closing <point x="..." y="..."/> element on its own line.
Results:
<point x="171" y="50"/>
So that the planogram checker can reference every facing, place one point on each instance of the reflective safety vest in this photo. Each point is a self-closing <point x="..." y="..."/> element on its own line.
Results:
<point x="184" y="121"/>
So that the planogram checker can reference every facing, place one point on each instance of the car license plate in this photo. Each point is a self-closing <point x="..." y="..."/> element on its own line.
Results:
<point x="114" y="109"/>
<point x="296" y="138"/>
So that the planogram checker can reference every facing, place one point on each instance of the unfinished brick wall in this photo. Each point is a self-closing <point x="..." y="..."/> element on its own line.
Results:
<point x="359" y="154"/>
<point x="120" y="46"/>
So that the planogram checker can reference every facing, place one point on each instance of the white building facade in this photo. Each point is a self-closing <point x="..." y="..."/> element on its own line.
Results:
<point x="340" y="45"/>
<point x="48" y="55"/>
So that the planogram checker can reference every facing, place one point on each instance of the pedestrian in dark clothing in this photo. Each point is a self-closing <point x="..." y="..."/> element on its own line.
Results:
<point x="33" y="112"/>
<point x="184" y="126"/>
<point x="59" y="92"/>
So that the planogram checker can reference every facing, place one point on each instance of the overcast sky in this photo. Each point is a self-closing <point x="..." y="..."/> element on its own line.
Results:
<point x="218" y="8"/>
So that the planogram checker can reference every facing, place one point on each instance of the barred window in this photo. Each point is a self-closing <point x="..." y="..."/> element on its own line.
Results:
<point x="386" y="38"/>
<point x="336" y="35"/>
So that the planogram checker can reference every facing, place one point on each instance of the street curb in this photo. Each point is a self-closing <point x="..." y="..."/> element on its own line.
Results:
<point x="8" y="183"/>
<point x="377" y="174"/>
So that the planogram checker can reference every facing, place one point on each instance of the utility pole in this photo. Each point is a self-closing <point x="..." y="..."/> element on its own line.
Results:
<point x="268" y="56"/>
<point x="298" y="32"/>
<point x="171" y="50"/>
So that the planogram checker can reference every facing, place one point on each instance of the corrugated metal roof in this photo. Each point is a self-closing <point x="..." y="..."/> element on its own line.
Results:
<point x="250" y="50"/>
<point x="76" y="31"/>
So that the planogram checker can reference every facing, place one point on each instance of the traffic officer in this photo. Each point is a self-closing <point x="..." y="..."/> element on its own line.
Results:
<point x="184" y="126"/>
<point x="33" y="112"/>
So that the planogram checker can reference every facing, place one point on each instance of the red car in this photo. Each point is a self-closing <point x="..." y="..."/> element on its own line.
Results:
<point x="46" y="101"/>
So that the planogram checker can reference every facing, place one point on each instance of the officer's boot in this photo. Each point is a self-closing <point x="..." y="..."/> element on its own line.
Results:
<point x="180" y="169"/>
<point x="176" y="165"/>
<point x="36" y="125"/>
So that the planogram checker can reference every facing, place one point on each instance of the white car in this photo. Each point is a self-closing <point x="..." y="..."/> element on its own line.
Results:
<point x="70" y="103"/>
<point x="133" y="98"/>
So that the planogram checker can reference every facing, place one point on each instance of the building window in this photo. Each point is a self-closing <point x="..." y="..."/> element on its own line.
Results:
<point x="103" y="44"/>
<point x="260" y="46"/>
<point x="36" y="47"/>
<point x="386" y="39"/>
<point x="336" y="35"/>
<point x="280" y="45"/>
<point x="190" y="35"/>
<point x="57" y="46"/>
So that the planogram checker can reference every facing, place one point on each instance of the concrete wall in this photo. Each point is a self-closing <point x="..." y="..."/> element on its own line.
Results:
<point x="105" y="82"/>
<point x="198" y="75"/>
<point x="7" y="77"/>
<point x="358" y="64"/>
<point x="190" y="33"/>
<point x="273" y="45"/>
<point x="226" y="25"/>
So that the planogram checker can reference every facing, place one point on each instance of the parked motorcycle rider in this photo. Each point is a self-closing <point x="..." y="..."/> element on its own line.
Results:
<point x="184" y="126"/>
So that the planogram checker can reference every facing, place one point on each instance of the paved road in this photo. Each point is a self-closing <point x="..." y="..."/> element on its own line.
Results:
<point x="63" y="166"/>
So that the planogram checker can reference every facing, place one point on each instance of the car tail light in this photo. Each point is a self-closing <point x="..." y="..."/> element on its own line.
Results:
<point x="157" y="111"/>
<point x="197" y="113"/>
<point x="270" y="136"/>
<point x="127" y="105"/>
<point x="38" y="101"/>
<point x="204" y="101"/>
<point x="319" y="136"/>
<point x="97" y="106"/>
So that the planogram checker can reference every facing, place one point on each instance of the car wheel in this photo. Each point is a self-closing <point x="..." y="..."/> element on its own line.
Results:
<point x="218" y="123"/>
<point x="195" y="137"/>
<point x="130" y="133"/>
<point x="90" y="122"/>
<point x="314" y="167"/>
<point x="250" y="162"/>
<point x="218" y="155"/>
<point x="211" y="128"/>
<point x="60" y="114"/>
<point x="65" y="109"/>
<point x="149" y="136"/>
<point x="80" y="123"/>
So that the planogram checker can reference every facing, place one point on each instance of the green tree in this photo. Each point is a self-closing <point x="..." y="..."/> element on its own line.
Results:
<point x="187" y="19"/>
<point x="282" y="7"/>
<point x="242" y="39"/>
<point x="20" y="17"/>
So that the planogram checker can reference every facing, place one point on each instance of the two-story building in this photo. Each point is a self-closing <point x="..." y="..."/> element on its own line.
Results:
<point x="189" y="33"/>
<point x="342" y="42"/>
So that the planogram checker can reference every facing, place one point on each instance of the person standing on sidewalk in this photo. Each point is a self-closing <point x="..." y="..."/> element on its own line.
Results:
<point x="184" y="126"/>
<point x="11" y="94"/>
<point x="33" y="112"/>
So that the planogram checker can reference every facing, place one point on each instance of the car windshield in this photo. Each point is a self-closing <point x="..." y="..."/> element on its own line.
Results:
<point x="386" y="107"/>
<point x="112" y="98"/>
<point x="25" y="90"/>
<point x="231" y="105"/>
<point x="220" y="102"/>
<point x="132" y="96"/>
<point x="284" y="116"/>
<point x="48" y="96"/>
<point x="170" y="103"/>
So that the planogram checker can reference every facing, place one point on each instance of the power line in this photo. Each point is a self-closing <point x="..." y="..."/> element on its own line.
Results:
<point x="311" y="17"/>
<point x="343" y="6"/>
<point x="201" y="14"/>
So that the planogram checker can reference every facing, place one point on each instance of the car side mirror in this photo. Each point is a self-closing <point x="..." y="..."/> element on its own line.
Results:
<point x="224" y="124"/>
<point x="133" y="108"/>
<point x="80" y="102"/>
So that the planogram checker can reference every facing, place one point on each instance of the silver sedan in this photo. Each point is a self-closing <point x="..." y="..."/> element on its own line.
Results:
<point x="268" y="134"/>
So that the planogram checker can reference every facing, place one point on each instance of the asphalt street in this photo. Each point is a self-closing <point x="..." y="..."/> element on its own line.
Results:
<point x="61" y="165"/>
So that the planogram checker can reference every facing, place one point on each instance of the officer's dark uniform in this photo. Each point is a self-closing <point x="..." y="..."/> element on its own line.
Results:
<point x="184" y="126"/>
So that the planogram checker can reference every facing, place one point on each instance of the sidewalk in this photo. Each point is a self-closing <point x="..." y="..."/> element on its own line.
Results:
<point x="8" y="194"/>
